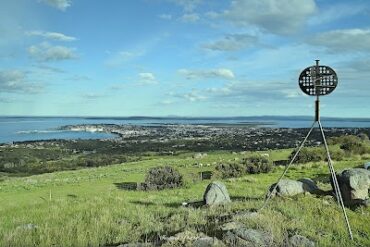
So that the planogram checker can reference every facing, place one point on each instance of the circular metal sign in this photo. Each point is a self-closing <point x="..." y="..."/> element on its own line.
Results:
<point x="318" y="80"/>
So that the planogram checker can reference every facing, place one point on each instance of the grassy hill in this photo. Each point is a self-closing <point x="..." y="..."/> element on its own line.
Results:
<point x="86" y="207"/>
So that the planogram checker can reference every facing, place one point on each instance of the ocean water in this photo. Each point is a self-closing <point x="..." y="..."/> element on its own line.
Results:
<point x="13" y="129"/>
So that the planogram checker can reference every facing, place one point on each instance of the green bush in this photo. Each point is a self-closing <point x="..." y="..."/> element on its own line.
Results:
<point x="363" y="137"/>
<point x="232" y="170"/>
<point x="337" y="154"/>
<point x="163" y="177"/>
<point x="309" y="155"/>
<point x="257" y="164"/>
<point x="353" y="144"/>
<point x="250" y="165"/>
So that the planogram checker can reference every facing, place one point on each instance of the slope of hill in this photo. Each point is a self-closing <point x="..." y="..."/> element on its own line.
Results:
<point x="88" y="208"/>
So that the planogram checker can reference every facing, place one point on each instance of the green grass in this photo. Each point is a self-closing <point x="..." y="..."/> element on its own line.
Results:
<point x="87" y="209"/>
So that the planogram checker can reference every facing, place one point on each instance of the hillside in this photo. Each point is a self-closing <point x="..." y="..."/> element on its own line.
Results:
<point x="87" y="207"/>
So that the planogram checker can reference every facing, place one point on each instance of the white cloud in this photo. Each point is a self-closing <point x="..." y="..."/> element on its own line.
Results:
<point x="188" y="5"/>
<point x="122" y="57"/>
<point x="59" y="4"/>
<point x="275" y="16"/>
<point x="211" y="73"/>
<point x="16" y="81"/>
<point x="92" y="96"/>
<point x="45" y="52"/>
<point x="147" y="78"/>
<point x="167" y="102"/>
<point x="241" y="91"/>
<point x="220" y="91"/>
<point x="193" y="17"/>
<point x="49" y="69"/>
<point x="292" y="93"/>
<point x="165" y="16"/>
<point x="192" y="97"/>
<point x="343" y="40"/>
<point x="6" y="100"/>
<point x="232" y="42"/>
<point x="336" y="12"/>
<point x="51" y="35"/>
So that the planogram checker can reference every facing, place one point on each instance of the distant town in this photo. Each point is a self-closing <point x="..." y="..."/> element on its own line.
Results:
<point x="239" y="137"/>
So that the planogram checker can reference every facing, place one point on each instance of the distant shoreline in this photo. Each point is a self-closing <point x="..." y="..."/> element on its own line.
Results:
<point x="241" y="118"/>
<point x="46" y="128"/>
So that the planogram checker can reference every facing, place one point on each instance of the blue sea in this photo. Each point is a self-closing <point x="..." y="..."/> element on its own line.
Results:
<point x="13" y="129"/>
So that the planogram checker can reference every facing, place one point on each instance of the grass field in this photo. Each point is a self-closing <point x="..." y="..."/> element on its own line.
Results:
<point x="86" y="208"/>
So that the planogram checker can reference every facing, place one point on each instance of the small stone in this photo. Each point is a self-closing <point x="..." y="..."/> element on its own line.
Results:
<point x="28" y="226"/>
<point x="300" y="241"/>
<point x="188" y="238"/>
<point x="136" y="245"/>
<point x="325" y="202"/>
<point x="246" y="237"/>
<point x="245" y="215"/>
<point x="206" y="242"/>
<point x="366" y="203"/>
<point x="231" y="226"/>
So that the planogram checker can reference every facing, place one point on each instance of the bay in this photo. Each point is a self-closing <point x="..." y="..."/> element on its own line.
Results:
<point x="15" y="129"/>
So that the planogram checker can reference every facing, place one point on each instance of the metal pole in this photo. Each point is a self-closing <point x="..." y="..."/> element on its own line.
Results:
<point x="317" y="83"/>
<point x="335" y="183"/>
<point x="286" y="168"/>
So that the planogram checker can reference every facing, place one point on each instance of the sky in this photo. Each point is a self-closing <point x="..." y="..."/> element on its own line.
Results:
<point x="181" y="57"/>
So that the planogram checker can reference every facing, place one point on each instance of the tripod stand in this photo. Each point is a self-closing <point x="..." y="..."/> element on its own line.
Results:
<point x="330" y="162"/>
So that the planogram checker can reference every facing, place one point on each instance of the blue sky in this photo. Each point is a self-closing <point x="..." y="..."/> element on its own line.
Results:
<point x="180" y="57"/>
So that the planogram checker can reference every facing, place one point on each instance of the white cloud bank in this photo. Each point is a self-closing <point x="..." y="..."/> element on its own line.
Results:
<point x="204" y="74"/>
<point x="147" y="78"/>
<point x="274" y="16"/>
<point x="51" y="35"/>
<point x="16" y="81"/>
<point x="59" y="4"/>
<point x="45" y="52"/>
<point x="190" y="18"/>
<point x="232" y="42"/>
<point x="347" y="40"/>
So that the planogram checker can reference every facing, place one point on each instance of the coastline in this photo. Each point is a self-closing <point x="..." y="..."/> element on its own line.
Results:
<point x="222" y="137"/>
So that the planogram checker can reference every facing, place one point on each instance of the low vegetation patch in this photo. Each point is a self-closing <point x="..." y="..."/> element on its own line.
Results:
<point x="250" y="165"/>
<point x="162" y="177"/>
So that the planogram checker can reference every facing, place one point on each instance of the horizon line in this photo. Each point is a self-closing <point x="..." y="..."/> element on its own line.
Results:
<point x="173" y="116"/>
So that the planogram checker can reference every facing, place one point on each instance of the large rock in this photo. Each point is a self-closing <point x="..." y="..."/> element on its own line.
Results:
<point x="354" y="186"/>
<point x="300" y="241"/>
<point x="215" y="194"/>
<point x="288" y="187"/>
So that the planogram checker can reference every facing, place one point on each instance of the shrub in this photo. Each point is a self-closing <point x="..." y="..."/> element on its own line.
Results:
<point x="353" y="144"/>
<point x="163" y="177"/>
<point x="337" y="154"/>
<point x="309" y="155"/>
<point x="250" y="165"/>
<point x="232" y="170"/>
<point x="257" y="164"/>
<point x="363" y="137"/>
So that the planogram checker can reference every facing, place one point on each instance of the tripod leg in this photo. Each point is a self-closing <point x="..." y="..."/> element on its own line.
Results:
<point x="335" y="182"/>
<point x="287" y="167"/>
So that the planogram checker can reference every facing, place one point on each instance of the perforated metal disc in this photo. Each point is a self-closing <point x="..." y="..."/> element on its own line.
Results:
<point x="318" y="80"/>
